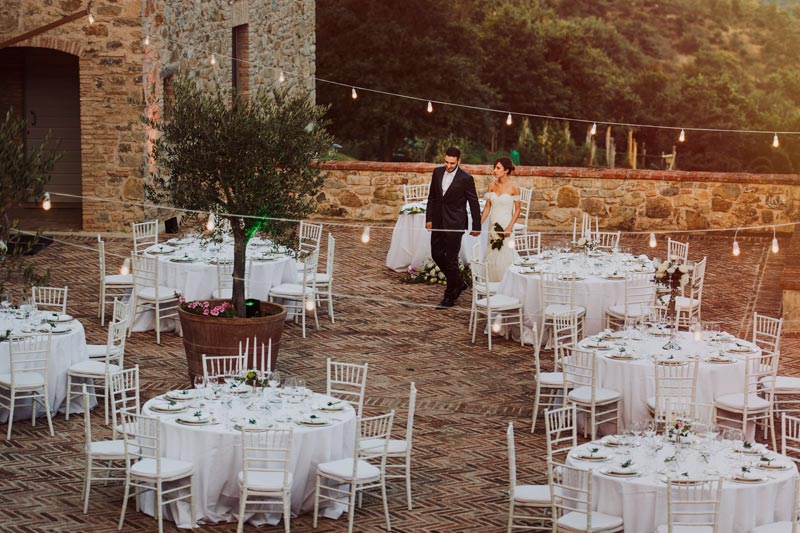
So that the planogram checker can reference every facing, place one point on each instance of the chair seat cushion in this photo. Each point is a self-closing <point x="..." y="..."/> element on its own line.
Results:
<point x="787" y="384"/>
<point x="557" y="309"/>
<point x="164" y="293"/>
<point x="632" y="310"/>
<point x="736" y="401"/>
<point x="119" y="279"/>
<point x="498" y="301"/>
<point x="290" y="289"/>
<point x="93" y="367"/>
<point x="775" y="527"/>
<point x="481" y="288"/>
<point x="600" y="521"/>
<point x="108" y="449"/>
<point x="584" y="395"/>
<point x="265" y="481"/>
<point x="170" y="468"/>
<point x="678" y="528"/>
<point x="374" y="446"/>
<point x="551" y="378"/>
<point x="343" y="469"/>
<point x="532" y="494"/>
<point x="98" y="350"/>
<point x="321" y="278"/>
<point x="23" y="380"/>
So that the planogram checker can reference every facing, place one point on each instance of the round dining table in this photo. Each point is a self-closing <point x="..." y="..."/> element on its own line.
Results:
<point x="625" y="363"/>
<point x="68" y="347"/>
<point x="599" y="284"/>
<point x="629" y="479"/>
<point x="215" y="448"/>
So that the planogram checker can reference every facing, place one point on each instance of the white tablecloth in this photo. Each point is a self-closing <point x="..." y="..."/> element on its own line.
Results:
<point x="66" y="349"/>
<point x="642" y="501"/>
<point x="635" y="379"/>
<point x="601" y="287"/>
<point x="216" y="452"/>
<point x="411" y="244"/>
<point x="197" y="280"/>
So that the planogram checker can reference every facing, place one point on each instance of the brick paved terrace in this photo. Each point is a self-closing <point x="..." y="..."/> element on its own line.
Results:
<point x="467" y="395"/>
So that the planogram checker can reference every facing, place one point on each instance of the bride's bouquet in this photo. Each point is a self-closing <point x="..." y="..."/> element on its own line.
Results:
<point x="499" y="236"/>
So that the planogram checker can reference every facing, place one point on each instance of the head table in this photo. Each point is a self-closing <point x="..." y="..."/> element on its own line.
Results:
<point x="323" y="430"/>
<point x="67" y="347"/>
<point x="189" y="265"/>
<point x="629" y="479"/>
<point x="599" y="283"/>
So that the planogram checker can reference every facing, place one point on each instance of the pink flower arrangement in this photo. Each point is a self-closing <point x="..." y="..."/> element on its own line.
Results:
<point x="198" y="307"/>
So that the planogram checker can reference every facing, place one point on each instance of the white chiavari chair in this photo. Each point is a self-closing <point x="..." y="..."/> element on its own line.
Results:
<point x="786" y="526"/>
<point x="558" y="297"/>
<point x="99" y="370"/>
<point x="102" y="451"/>
<point x="219" y="367"/>
<point x="112" y="286"/>
<point x="767" y="332"/>
<point x="529" y="505"/>
<point x="358" y="473"/>
<point x="150" y="295"/>
<point x="124" y="397"/>
<point x="607" y="241"/>
<point x="347" y="381"/>
<point x="756" y="403"/>
<point x="549" y="386"/>
<point x="27" y="377"/>
<point x="145" y="234"/>
<point x="790" y="437"/>
<point x="224" y="288"/>
<point x="146" y="469"/>
<point x="574" y="501"/>
<point x="639" y="297"/>
<point x="521" y="225"/>
<point x="300" y="298"/>
<point x="481" y="290"/>
<point x="119" y="314"/>
<point x="692" y="505"/>
<point x="499" y="309"/>
<point x="50" y="298"/>
<point x="416" y="193"/>
<point x="323" y="281"/>
<point x="528" y="244"/>
<point x="676" y="383"/>
<point x="561" y="430"/>
<point x="265" y="479"/>
<point x="678" y="252"/>
<point x="601" y="405"/>
<point x="309" y="237"/>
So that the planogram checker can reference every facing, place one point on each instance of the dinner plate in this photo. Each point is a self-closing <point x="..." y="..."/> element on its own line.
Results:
<point x="265" y="259"/>
<point x="589" y="457"/>
<point x="682" y="481"/>
<point x="168" y="408"/>
<point x="749" y="480"/>
<point x="773" y="466"/>
<point x="57" y="330"/>
<point x="160" y="249"/>
<point x="205" y="422"/>
<point x="601" y="345"/>
<point x="758" y="449"/>
<point x="671" y="362"/>
<point x="313" y="420"/>
<point x="58" y="317"/>
<point x="239" y="389"/>
<point x="612" y="276"/>
<point x="571" y="278"/>
<point x="182" y="260"/>
<point x="182" y="394"/>
<point x="621" y="357"/>
<point x="246" y="424"/>
<point x="718" y="361"/>
<point x="620" y="473"/>
<point x="740" y="349"/>
<point x="194" y="420"/>
<point x="332" y="406"/>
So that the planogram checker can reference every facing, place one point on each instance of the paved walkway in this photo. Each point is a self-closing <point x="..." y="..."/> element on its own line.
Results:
<point x="467" y="395"/>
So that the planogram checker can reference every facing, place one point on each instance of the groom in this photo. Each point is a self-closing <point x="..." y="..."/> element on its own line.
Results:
<point x="446" y="214"/>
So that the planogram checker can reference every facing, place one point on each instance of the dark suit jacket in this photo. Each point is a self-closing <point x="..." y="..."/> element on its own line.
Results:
<point x="450" y="211"/>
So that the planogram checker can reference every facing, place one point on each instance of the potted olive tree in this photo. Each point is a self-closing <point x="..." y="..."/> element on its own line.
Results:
<point x="250" y="161"/>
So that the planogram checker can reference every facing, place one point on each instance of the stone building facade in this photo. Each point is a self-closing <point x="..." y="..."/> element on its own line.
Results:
<point x="125" y="59"/>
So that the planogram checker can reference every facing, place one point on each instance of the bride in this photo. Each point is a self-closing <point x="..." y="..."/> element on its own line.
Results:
<point x="502" y="207"/>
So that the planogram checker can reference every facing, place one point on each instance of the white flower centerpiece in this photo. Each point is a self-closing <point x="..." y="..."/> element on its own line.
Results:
<point x="680" y="430"/>
<point x="673" y="276"/>
<point x="586" y="243"/>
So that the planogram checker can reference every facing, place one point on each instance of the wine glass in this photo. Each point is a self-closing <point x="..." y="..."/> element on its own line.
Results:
<point x="5" y="300"/>
<point x="274" y="379"/>
<point x="200" y="384"/>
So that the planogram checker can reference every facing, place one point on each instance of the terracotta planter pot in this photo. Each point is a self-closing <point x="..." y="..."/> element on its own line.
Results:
<point x="221" y="336"/>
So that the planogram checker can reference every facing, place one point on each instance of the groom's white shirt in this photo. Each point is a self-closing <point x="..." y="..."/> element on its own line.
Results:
<point x="447" y="180"/>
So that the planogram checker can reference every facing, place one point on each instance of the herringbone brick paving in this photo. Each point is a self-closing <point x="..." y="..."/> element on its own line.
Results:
<point x="466" y="394"/>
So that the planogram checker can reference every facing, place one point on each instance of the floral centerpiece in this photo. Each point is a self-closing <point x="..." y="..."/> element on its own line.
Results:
<point x="254" y="378"/>
<point x="673" y="276"/>
<point x="587" y="244"/>
<point x="204" y="307"/>
<point x="412" y="210"/>
<point x="431" y="274"/>
<point x="680" y="428"/>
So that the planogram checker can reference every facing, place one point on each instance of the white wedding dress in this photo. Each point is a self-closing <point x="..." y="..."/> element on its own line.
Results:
<point x="502" y="211"/>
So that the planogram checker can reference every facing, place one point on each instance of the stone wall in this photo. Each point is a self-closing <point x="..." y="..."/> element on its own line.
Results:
<point x="628" y="200"/>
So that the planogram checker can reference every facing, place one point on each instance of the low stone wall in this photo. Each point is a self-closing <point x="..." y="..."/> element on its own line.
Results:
<point x="623" y="199"/>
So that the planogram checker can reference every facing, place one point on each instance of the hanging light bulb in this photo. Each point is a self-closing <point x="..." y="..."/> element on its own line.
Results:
<point x="281" y="77"/>
<point x="91" y="18"/>
<point x="126" y="267"/>
<point x="46" y="205"/>
<point x="594" y="129"/>
<point x="775" y="247"/>
<point x="497" y="325"/>
<point x="354" y="94"/>
<point x="775" y="142"/>
<point x="653" y="242"/>
<point x="310" y="303"/>
<point x="213" y="59"/>
<point x="736" y="250"/>
<point x="682" y="136"/>
<point x="508" y="119"/>
<point x="147" y="40"/>
<point x="365" y="235"/>
<point x="211" y="223"/>
<point x="430" y="107"/>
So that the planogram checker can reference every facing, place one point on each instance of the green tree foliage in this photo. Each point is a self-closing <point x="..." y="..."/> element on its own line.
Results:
<point x="729" y="64"/>
<point x="254" y="157"/>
